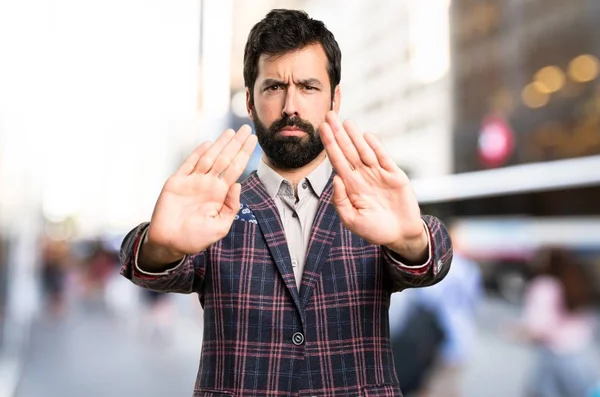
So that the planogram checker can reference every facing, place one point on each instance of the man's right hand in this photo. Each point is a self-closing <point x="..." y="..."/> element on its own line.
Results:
<point x="198" y="203"/>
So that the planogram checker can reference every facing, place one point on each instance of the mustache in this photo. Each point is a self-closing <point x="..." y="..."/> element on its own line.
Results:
<point x="296" y="122"/>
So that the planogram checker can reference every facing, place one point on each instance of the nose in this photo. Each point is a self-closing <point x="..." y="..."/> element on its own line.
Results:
<point x="290" y="107"/>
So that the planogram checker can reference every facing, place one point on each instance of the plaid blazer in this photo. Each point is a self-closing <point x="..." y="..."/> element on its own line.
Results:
<point x="265" y="337"/>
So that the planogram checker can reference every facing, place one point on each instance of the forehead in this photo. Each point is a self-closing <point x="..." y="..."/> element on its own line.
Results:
<point x="308" y="62"/>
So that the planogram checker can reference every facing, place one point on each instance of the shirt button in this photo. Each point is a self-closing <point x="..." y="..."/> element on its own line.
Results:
<point x="294" y="215"/>
<point x="294" y="262"/>
<point x="298" y="338"/>
<point x="304" y="185"/>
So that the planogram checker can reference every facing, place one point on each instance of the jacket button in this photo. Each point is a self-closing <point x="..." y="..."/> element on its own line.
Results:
<point x="298" y="338"/>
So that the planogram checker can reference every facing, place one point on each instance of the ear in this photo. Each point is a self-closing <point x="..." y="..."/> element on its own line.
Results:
<point x="337" y="98"/>
<point x="248" y="104"/>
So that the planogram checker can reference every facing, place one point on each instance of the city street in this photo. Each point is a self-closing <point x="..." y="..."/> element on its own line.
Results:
<point x="92" y="353"/>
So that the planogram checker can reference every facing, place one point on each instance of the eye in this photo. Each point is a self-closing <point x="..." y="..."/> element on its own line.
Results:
<point x="310" y="88"/>
<point x="274" y="87"/>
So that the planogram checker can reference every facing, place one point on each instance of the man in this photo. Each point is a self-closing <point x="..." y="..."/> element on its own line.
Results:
<point x="295" y="266"/>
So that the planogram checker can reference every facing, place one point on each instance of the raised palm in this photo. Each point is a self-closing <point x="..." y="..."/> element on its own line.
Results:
<point x="198" y="203"/>
<point x="373" y="197"/>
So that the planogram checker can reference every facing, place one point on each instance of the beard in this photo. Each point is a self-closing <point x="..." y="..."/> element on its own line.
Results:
<point x="288" y="152"/>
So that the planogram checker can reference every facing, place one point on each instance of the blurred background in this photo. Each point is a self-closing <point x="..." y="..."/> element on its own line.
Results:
<point x="492" y="107"/>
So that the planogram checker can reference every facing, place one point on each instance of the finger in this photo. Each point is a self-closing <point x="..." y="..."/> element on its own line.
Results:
<point x="231" y="205"/>
<point x="383" y="157"/>
<point x="229" y="152"/>
<point x="334" y="152"/>
<point x="238" y="164"/>
<point x="207" y="160"/>
<point x="366" y="153"/>
<point x="343" y="140"/>
<point x="342" y="203"/>
<point x="188" y="165"/>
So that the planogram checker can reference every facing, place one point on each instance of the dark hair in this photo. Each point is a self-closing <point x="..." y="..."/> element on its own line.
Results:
<point x="577" y="286"/>
<point x="282" y="31"/>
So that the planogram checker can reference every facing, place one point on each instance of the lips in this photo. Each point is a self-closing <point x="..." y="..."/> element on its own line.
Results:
<point x="291" y="131"/>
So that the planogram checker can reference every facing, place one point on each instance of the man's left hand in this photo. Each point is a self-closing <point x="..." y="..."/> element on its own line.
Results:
<point x="372" y="195"/>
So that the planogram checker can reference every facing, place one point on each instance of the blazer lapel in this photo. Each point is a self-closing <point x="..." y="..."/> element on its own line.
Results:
<point x="267" y="216"/>
<point x="323" y="233"/>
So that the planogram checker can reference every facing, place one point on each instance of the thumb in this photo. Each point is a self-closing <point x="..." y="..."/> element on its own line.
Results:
<point x="231" y="205"/>
<point x="341" y="201"/>
<point x="339" y="191"/>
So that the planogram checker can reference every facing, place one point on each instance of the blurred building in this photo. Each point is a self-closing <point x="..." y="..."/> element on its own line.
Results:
<point x="94" y="99"/>
<point x="534" y="64"/>
<point x="526" y="129"/>
<point x="90" y="115"/>
<point x="527" y="92"/>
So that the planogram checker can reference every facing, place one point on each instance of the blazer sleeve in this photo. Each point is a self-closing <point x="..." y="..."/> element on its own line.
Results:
<point x="433" y="270"/>
<point x="184" y="277"/>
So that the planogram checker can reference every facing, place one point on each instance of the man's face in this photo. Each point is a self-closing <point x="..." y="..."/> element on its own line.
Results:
<point x="292" y="95"/>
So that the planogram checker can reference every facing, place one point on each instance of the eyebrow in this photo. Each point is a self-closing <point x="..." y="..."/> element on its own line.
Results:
<point x="304" y="82"/>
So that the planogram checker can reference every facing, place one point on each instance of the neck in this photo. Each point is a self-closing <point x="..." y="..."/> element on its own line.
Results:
<point x="294" y="176"/>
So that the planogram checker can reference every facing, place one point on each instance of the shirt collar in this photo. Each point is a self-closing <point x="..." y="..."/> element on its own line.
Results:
<point x="272" y="181"/>
<point x="319" y="177"/>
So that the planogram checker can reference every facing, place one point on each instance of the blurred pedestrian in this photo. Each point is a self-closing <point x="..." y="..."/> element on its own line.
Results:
<point x="100" y="266"/>
<point x="158" y="317"/>
<point x="434" y="343"/>
<point x="54" y="261"/>
<point x="558" y="321"/>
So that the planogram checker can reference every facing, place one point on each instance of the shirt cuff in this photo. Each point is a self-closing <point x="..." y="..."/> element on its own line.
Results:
<point x="143" y="239"/>
<point x="394" y="256"/>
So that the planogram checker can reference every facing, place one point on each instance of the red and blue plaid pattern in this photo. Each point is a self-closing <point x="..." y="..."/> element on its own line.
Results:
<point x="254" y="315"/>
